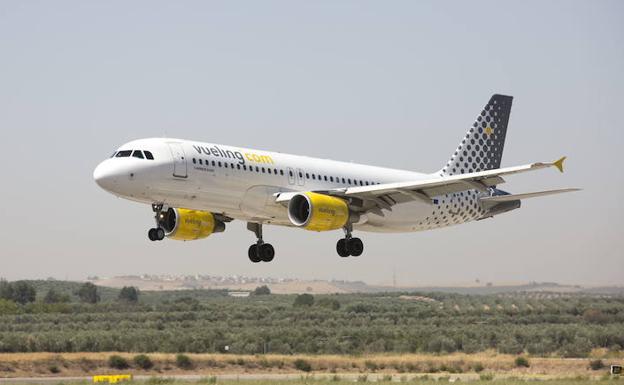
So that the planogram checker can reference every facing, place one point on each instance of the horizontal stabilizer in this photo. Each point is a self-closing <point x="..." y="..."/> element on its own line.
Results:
<point x="515" y="197"/>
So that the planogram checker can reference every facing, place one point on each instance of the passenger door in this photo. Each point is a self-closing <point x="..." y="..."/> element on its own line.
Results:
<point x="179" y="160"/>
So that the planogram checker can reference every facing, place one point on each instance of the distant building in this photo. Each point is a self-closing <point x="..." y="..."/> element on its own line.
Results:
<point x="239" y="294"/>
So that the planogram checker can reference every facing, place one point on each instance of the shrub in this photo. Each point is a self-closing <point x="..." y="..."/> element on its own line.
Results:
<point x="522" y="362"/>
<point x="142" y="361"/>
<point x="54" y="369"/>
<point x="596" y="364"/>
<point x="304" y="300"/>
<point x="329" y="303"/>
<point x="184" y="362"/>
<point x="486" y="377"/>
<point x="118" y="362"/>
<point x="370" y="365"/>
<point x="302" y="365"/>
<point x="478" y="367"/>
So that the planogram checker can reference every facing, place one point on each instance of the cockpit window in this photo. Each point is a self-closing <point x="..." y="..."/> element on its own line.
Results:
<point x="137" y="154"/>
<point x="123" y="154"/>
<point x="149" y="155"/>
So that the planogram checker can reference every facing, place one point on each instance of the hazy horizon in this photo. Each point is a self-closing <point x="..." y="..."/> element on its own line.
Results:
<point x="391" y="84"/>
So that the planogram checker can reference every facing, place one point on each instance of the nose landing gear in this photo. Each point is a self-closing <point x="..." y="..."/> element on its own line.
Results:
<point x="259" y="251"/>
<point x="157" y="233"/>
<point x="348" y="245"/>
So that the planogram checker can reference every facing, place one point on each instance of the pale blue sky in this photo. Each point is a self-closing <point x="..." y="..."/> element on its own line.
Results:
<point x="393" y="83"/>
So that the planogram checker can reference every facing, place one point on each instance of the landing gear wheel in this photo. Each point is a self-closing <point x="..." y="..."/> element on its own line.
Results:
<point x="151" y="234"/>
<point x="253" y="254"/>
<point x="160" y="233"/>
<point x="267" y="252"/>
<point x="341" y="248"/>
<point x="355" y="246"/>
<point x="259" y="251"/>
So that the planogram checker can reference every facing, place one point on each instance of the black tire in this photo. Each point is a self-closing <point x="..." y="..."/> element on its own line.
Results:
<point x="253" y="254"/>
<point x="341" y="248"/>
<point x="160" y="233"/>
<point x="151" y="234"/>
<point x="355" y="247"/>
<point x="267" y="252"/>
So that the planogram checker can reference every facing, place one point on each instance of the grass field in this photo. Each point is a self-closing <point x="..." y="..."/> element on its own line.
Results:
<point x="16" y="365"/>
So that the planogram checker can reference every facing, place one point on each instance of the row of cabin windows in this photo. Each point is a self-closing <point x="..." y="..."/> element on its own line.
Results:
<point x="281" y="172"/>
<point x="133" y="153"/>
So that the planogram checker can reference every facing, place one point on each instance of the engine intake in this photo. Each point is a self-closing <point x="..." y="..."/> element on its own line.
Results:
<point x="318" y="212"/>
<point x="188" y="225"/>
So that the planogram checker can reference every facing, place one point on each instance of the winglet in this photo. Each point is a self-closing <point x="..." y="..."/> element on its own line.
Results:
<point x="559" y="163"/>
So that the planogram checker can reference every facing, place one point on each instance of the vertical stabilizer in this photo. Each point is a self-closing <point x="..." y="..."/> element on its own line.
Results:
<point x="482" y="147"/>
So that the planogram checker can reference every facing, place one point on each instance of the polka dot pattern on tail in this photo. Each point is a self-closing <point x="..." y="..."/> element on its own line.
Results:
<point x="482" y="147"/>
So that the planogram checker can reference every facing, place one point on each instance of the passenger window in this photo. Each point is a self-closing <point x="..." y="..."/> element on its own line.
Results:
<point x="325" y="177"/>
<point x="149" y="155"/>
<point x="257" y="169"/>
<point x="331" y="178"/>
<point x="224" y="164"/>
<point x="263" y="170"/>
<point x="349" y="180"/>
<point x="343" y="180"/>
<point x="275" y="171"/>
<point x="290" y="173"/>
<point x="245" y="167"/>
<point x="201" y="161"/>
<point x="213" y="163"/>
<point x="281" y="172"/>
<point x="300" y="174"/>
<point x="123" y="154"/>
<point x="313" y="176"/>
<point x="232" y="166"/>
<point x="219" y="164"/>
<point x="238" y="166"/>
<point x="194" y="161"/>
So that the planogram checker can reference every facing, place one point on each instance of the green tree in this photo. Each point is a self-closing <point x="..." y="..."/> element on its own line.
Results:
<point x="129" y="294"/>
<point x="88" y="293"/>
<point x="262" y="290"/>
<point x="6" y="290"/>
<point x="304" y="300"/>
<point x="23" y="292"/>
<point x="53" y="296"/>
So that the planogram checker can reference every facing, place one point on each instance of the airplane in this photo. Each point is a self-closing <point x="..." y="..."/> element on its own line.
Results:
<point x="196" y="188"/>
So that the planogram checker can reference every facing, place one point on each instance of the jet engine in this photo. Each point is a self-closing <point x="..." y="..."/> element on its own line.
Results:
<point x="319" y="212"/>
<point x="188" y="225"/>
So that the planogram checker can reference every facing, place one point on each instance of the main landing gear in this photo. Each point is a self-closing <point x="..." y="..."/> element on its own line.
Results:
<point x="348" y="245"/>
<point x="259" y="251"/>
<point x="157" y="233"/>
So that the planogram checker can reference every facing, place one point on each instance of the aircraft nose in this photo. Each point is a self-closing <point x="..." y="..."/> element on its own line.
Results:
<point x="105" y="176"/>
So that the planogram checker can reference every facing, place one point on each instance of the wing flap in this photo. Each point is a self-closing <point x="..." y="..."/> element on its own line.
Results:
<point x="514" y="197"/>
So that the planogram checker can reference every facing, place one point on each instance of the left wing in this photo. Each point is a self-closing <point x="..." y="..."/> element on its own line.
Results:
<point x="384" y="196"/>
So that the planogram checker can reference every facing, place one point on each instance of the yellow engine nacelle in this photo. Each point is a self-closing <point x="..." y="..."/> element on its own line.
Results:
<point x="318" y="212"/>
<point x="188" y="225"/>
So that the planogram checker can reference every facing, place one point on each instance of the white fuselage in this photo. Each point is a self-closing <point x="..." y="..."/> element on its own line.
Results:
<point x="242" y="184"/>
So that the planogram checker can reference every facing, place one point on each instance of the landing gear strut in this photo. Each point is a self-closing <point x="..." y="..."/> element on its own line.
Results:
<point x="157" y="233"/>
<point x="348" y="245"/>
<point x="259" y="251"/>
